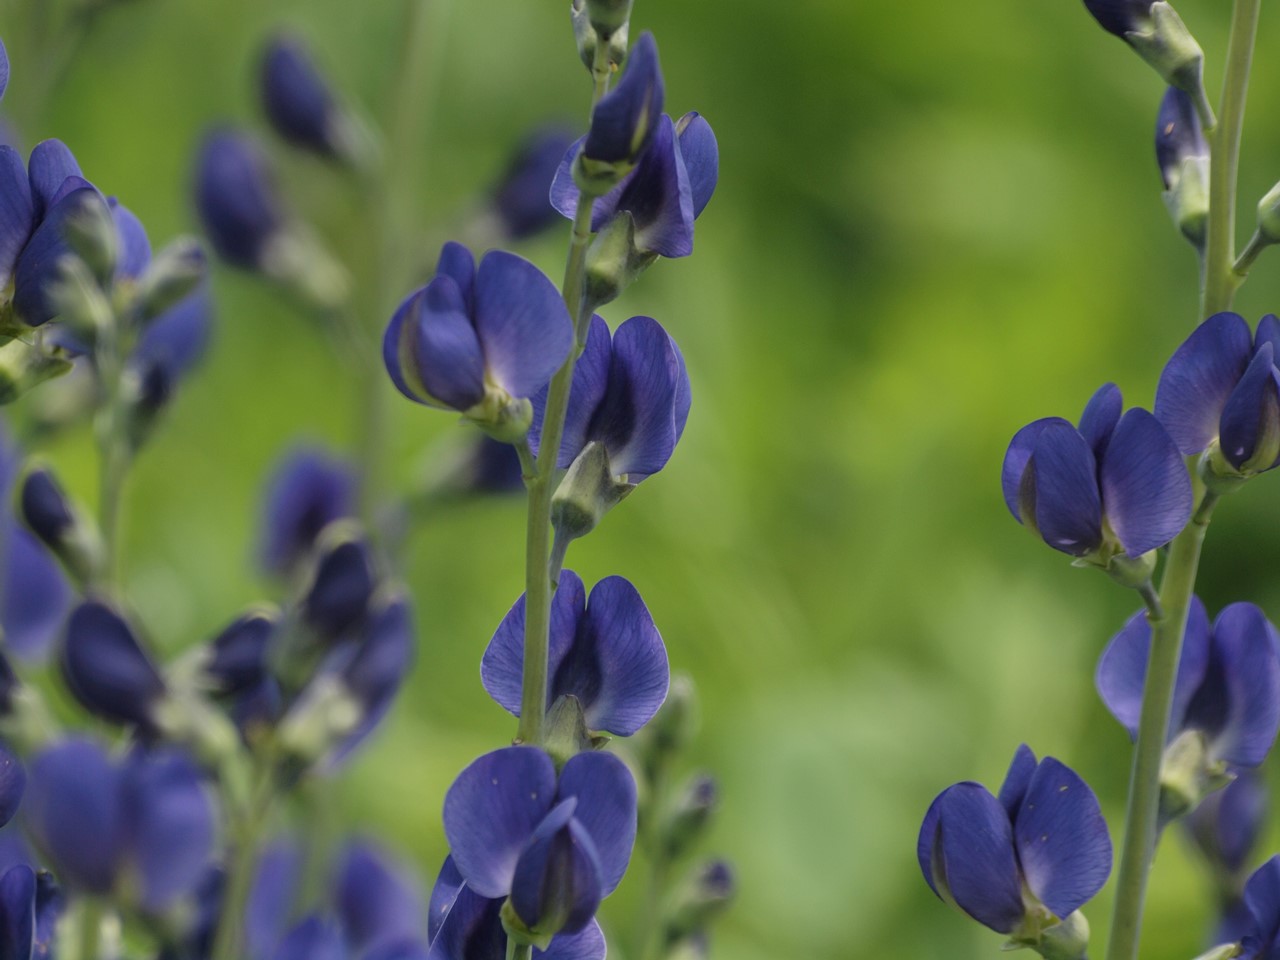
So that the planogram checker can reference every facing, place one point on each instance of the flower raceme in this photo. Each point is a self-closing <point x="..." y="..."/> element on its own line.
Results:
<point x="1108" y="492"/>
<point x="1219" y="395"/>
<point x="480" y="340"/>
<point x="1226" y="700"/>
<point x="1022" y="863"/>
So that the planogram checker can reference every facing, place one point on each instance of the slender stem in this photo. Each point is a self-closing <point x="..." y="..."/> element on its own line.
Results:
<point x="537" y="621"/>
<point x="1244" y="262"/>
<point x="518" y="951"/>
<point x="243" y="858"/>
<point x="113" y="452"/>
<point x="1220" y="279"/>
<point x="1141" y="818"/>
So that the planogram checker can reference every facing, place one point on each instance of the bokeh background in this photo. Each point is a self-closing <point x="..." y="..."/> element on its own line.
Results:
<point x="934" y="223"/>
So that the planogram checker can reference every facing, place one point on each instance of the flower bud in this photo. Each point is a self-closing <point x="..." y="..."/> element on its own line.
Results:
<point x="79" y="301"/>
<point x="343" y="582"/>
<point x="1269" y="215"/>
<point x="49" y="514"/>
<point x="90" y="232"/>
<point x="106" y="668"/>
<point x="612" y="260"/>
<point x="704" y="894"/>
<point x="171" y="277"/>
<point x="588" y="39"/>
<point x="588" y="491"/>
<point x="623" y="122"/>
<point x="672" y="727"/>
<point x="326" y="713"/>
<point x="688" y="818"/>
<point x="608" y="16"/>
<point x="236" y="198"/>
<point x="1166" y="44"/>
<point x="301" y="107"/>
<point x="1120" y="17"/>
<point x="1188" y="773"/>
<point x="556" y="884"/>
<point x="25" y="365"/>
<point x="1183" y="158"/>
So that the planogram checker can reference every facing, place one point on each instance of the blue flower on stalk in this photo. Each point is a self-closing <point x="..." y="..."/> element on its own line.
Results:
<point x="554" y="846"/>
<point x="480" y="340"/>
<point x="1114" y="485"/>
<point x="237" y="200"/>
<point x="1024" y="863"/>
<point x="1226" y="700"/>
<point x="143" y="827"/>
<point x="308" y="490"/>
<point x="605" y="651"/>
<point x="1220" y="392"/>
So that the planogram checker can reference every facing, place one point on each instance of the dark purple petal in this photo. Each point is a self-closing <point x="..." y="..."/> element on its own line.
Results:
<point x="17" y="211"/>
<point x="606" y="795"/>
<point x="1068" y="507"/>
<point x="308" y="490"/>
<point x="175" y="341"/>
<point x="1251" y="419"/>
<point x="623" y="122"/>
<point x="17" y="906"/>
<point x="35" y="596"/>
<point x="75" y="812"/>
<point x="587" y="944"/>
<point x="295" y="97"/>
<point x="1262" y="895"/>
<point x="636" y="419"/>
<point x="1062" y="839"/>
<point x="39" y="264"/>
<point x="1198" y="379"/>
<point x="171" y="826"/>
<point x="472" y="930"/>
<point x="659" y="197"/>
<point x="1238" y="704"/>
<point x="312" y="939"/>
<point x="617" y="664"/>
<point x="457" y="263"/>
<point x="522" y="323"/>
<point x="1014" y="480"/>
<point x="447" y="887"/>
<point x="1178" y="134"/>
<point x="431" y="349"/>
<point x="1120" y="16"/>
<point x="520" y="198"/>
<point x="342" y="587"/>
<point x="13" y="783"/>
<point x="590" y="382"/>
<point x="491" y="811"/>
<point x="1146" y="491"/>
<point x="236" y="197"/>
<point x="378" y="900"/>
<point x="1017" y="780"/>
<point x="45" y="508"/>
<point x="375" y="674"/>
<point x="556" y="885"/>
<point x="275" y="882"/>
<point x="135" y="249"/>
<point x="106" y="667"/>
<point x="1268" y="332"/>
<point x="238" y="655"/>
<point x="966" y="853"/>
<point x="701" y="157"/>
<point x="50" y="165"/>
<point x="1101" y="414"/>
<point x="502" y="667"/>
<point x="1122" y="669"/>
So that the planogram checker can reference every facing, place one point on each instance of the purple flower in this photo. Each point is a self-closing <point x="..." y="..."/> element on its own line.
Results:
<point x="555" y="846"/>
<point x="623" y="122"/>
<point x="1262" y="898"/>
<point x="308" y="490"/>
<point x="144" y="825"/>
<point x="1120" y="16"/>
<point x="480" y="340"/>
<point x="605" y="651"/>
<point x="520" y="198"/>
<point x="669" y="188"/>
<point x="1220" y="392"/>
<point x="1227" y="690"/>
<point x="106" y="668"/>
<point x="1025" y="862"/>
<point x="1116" y="484"/>
<point x="297" y="99"/>
<point x="236" y="198"/>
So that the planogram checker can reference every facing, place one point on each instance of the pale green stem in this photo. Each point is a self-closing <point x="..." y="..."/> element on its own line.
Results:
<point x="1244" y="262"/>
<point x="113" y="453"/>
<point x="537" y="623"/>
<point x="247" y="831"/>
<point x="518" y="951"/>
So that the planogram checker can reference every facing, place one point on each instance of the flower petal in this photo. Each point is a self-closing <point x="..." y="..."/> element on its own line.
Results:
<point x="378" y="900"/>
<point x="502" y="667"/>
<point x="564" y="192"/>
<point x="308" y="490"/>
<point x="606" y="794"/>
<point x="1017" y="780"/>
<point x="135" y="249"/>
<point x="432" y="351"/>
<point x="36" y="595"/>
<point x="471" y="930"/>
<point x="457" y="263"/>
<point x="1068" y="507"/>
<point x="623" y="121"/>
<point x="17" y="910"/>
<point x="491" y="811"/>
<point x="617" y="664"/>
<point x="1251" y="419"/>
<point x="17" y="211"/>
<point x="520" y="198"/>
<point x="659" y="197"/>
<point x="1268" y="332"/>
<point x="1146" y="491"/>
<point x="1013" y="472"/>
<point x="1198" y="379"/>
<point x="50" y="165"/>
<point x="39" y="264"/>
<point x="296" y="98"/>
<point x="590" y="382"/>
<point x="522" y="322"/>
<point x="312" y="939"/>
<point x="1122" y="669"/>
<point x="447" y="887"/>
<point x="1262" y="896"/>
<point x="1062" y="839"/>
<point x="701" y="158"/>
<point x="4" y="69"/>
<point x="557" y="878"/>
<point x="236" y="197"/>
<point x="271" y="897"/>
<point x="1101" y="414"/>
<point x="106" y="667"/>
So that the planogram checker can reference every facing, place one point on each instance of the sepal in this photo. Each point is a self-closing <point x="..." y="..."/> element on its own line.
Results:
<point x="566" y="731"/>
<point x="1188" y="774"/>
<point x="1066" y="939"/>
<point x="1269" y="215"/>
<point x="607" y="17"/>
<point x="1168" y="46"/>
<point x="25" y="365"/>
<point x="1187" y="199"/>
<point x="90" y="231"/>
<point x="588" y="491"/>
<point x="173" y="274"/>
<point x="613" y="260"/>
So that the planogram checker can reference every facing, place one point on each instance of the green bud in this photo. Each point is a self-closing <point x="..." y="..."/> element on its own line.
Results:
<point x="1187" y="199"/>
<point x="79" y="300"/>
<point x="613" y="261"/>
<point x="588" y="38"/>
<point x="24" y="365"/>
<point x="501" y="416"/>
<point x="1269" y="215"/>
<point x="1168" y="46"/>
<point x="90" y="231"/>
<point x="172" y="276"/>
<point x="608" y="16"/>
<point x="672" y="727"/>
<point x="588" y="491"/>
<point x="1188" y="774"/>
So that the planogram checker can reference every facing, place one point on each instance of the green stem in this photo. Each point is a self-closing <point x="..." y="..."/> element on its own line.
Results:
<point x="1141" y="819"/>
<point x="90" y="923"/>
<point x="537" y="584"/>
<point x="518" y="951"/>
<point x="113" y="454"/>
<point x="228" y="942"/>
<point x="1244" y="262"/>
<point x="1220" y="278"/>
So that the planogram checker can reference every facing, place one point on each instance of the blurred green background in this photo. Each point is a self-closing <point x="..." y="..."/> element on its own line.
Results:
<point x="934" y="223"/>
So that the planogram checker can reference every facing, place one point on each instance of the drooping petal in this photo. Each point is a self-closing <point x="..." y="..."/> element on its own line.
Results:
<point x="590" y="382"/>
<point x="308" y="490"/>
<point x="606" y="795"/>
<point x="1146" y="491"/>
<point x="1250" y="425"/>
<point x="502" y="667"/>
<point x="431" y="349"/>
<point x="636" y="419"/>
<point x="491" y="811"/>
<point x="51" y="163"/>
<point x="238" y="655"/>
<point x="17" y="910"/>
<point x="76" y="813"/>
<point x="1068" y="506"/>
<point x="106" y="667"/>
<point x="457" y="263"/>
<point x="1238" y="704"/>
<point x="170" y="826"/>
<point x="1198" y="379"/>
<point x="35" y="596"/>
<point x="624" y="120"/>
<point x="522" y="323"/>
<point x="17" y="211"/>
<point x="556" y="885"/>
<point x="447" y="887"/>
<point x="378" y="900"/>
<point x="1101" y="414"/>
<point x="617" y="664"/>
<point x="1262" y="896"/>
<point x="471" y="930"/>
<point x="1017" y="780"/>
<point x="1014" y="482"/>
<point x="966" y="853"/>
<point x="1122" y="669"/>
<point x="701" y="158"/>
<point x="659" y="197"/>
<point x="1062" y="839"/>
